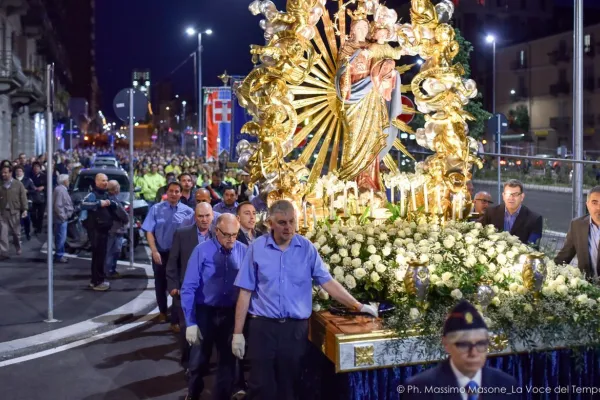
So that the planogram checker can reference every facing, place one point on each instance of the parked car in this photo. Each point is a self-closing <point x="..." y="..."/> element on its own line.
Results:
<point x="106" y="161"/>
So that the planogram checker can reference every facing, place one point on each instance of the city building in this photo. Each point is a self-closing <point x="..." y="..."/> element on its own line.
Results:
<point x="539" y="75"/>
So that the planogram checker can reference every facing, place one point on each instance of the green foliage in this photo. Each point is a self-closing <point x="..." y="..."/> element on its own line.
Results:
<point x="519" y="119"/>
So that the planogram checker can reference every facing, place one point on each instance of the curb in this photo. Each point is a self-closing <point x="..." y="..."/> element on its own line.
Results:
<point x="144" y="303"/>
<point x="542" y="188"/>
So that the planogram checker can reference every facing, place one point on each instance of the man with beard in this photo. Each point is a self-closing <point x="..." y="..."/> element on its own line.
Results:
<point x="229" y="204"/>
<point x="188" y="195"/>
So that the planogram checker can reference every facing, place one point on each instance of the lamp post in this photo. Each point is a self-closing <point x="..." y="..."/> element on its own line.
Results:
<point x="492" y="39"/>
<point x="578" y="208"/>
<point x="183" y="104"/>
<point x="191" y="32"/>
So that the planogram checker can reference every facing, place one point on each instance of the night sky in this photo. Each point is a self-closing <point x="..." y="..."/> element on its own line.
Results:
<point x="150" y="34"/>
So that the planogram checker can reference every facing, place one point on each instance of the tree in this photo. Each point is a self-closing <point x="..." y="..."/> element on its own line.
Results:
<point x="518" y="119"/>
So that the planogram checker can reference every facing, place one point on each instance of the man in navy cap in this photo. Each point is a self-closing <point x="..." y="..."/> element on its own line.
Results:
<point x="464" y="373"/>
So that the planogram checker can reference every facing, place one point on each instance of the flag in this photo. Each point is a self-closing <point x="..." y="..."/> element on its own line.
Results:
<point x="240" y="117"/>
<point x="218" y="121"/>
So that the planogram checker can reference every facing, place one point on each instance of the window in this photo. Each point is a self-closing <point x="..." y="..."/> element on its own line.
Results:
<point x="522" y="58"/>
<point x="587" y="43"/>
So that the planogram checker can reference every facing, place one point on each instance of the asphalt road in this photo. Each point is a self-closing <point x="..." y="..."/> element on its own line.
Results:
<point x="556" y="208"/>
<point x="137" y="364"/>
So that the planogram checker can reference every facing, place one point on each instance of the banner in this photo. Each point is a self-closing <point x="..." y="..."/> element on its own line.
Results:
<point x="240" y="117"/>
<point x="218" y="121"/>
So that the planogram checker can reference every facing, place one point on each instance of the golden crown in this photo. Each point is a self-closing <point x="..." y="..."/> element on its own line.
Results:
<point x="359" y="14"/>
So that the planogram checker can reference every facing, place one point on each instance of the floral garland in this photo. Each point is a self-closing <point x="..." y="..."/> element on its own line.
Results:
<point x="464" y="260"/>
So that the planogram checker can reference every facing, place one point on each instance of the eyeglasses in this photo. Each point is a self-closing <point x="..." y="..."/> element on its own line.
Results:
<point x="485" y="201"/>
<point x="466" y="347"/>
<point x="513" y="195"/>
<point x="228" y="235"/>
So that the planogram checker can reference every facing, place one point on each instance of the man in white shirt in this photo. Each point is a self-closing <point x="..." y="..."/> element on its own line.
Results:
<point x="466" y="341"/>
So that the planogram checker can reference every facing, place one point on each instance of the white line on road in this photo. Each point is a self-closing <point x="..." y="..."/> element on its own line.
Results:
<point x="139" y="322"/>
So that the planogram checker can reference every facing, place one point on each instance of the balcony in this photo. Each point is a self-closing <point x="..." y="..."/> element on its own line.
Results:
<point x="559" y="55"/>
<point x="518" y="65"/>
<point x="560" y="124"/>
<point x="560" y="88"/>
<point x="11" y="72"/>
<point x="31" y="92"/>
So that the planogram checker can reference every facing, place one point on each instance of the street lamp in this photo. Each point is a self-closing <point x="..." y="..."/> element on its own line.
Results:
<point x="492" y="39"/>
<point x="191" y="32"/>
<point x="512" y="91"/>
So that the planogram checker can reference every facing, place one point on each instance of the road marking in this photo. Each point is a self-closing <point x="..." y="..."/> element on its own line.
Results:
<point x="138" y="322"/>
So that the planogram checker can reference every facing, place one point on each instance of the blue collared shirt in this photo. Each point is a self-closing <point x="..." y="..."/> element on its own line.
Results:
<point x="509" y="219"/>
<point x="209" y="277"/>
<point x="164" y="219"/>
<point x="222" y="208"/>
<point x="593" y="241"/>
<point x="203" y="238"/>
<point x="281" y="281"/>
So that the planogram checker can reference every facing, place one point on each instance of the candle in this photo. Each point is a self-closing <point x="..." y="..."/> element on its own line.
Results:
<point x="454" y="207"/>
<point x="460" y="206"/>
<point x="345" y="201"/>
<point x="392" y="193"/>
<point x="331" y="209"/>
<point x="402" y="201"/>
<point x="304" y="215"/>
<point x="372" y="214"/>
<point x="426" y="198"/>
<point x="439" y="199"/>
<point x="314" y="215"/>
<point x="413" y="193"/>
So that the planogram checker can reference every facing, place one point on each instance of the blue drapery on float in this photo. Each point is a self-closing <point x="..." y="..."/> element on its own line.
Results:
<point x="565" y="372"/>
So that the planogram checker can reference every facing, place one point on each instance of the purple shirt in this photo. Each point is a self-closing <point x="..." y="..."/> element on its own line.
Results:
<point x="223" y="208"/>
<point x="281" y="281"/>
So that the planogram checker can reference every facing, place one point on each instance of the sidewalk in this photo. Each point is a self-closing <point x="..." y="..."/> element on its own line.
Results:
<point x="79" y="310"/>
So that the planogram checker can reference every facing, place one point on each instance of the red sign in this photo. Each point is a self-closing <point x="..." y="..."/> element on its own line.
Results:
<point x="406" y="102"/>
<point x="221" y="111"/>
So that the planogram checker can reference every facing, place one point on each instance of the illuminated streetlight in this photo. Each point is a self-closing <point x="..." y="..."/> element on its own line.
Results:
<point x="512" y="91"/>
<point x="490" y="39"/>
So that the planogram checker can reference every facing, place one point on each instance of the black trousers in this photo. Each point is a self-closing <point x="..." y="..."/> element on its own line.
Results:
<point x="99" y="241"/>
<point x="37" y="216"/>
<point x="160" y="281"/>
<point x="216" y="326"/>
<point x="276" y="350"/>
<point x="183" y="344"/>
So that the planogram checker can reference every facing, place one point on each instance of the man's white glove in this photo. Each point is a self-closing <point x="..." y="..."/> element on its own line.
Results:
<point x="238" y="345"/>
<point x="369" y="309"/>
<point x="193" y="335"/>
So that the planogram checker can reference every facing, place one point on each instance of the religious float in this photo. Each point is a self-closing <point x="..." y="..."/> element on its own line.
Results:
<point x="325" y="100"/>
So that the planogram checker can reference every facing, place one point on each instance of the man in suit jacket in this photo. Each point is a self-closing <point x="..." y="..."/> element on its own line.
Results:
<point x="583" y="238"/>
<point x="463" y="376"/>
<point x="184" y="242"/>
<point x="246" y="215"/>
<point x="514" y="217"/>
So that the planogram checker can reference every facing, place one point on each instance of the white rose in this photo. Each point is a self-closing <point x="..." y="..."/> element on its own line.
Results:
<point x="344" y="229"/>
<point x="496" y="301"/>
<point x="491" y="252"/>
<point x="501" y="259"/>
<point x="437" y="258"/>
<point x="350" y="282"/>
<point x="355" y="251"/>
<point x="591" y="302"/>
<point x="347" y="261"/>
<point x="432" y="268"/>
<point x="513" y="287"/>
<point x="370" y="240"/>
<point x="398" y="242"/>
<point x="351" y="235"/>
<point x="323" y="294"/>
<point x="359" y="273"/>
<point x="380" y="268"/>
<point x="414" y="314"/>
<point x="482" y="259"/>
<point x="510" y="254"/>
<point x="407" y="231"/>
<point x="471" y="261"/>
<point x="369" y="231"/>
<point x="326" y="250"/>
<point x="338" y="271"/>
<point x="411" y="247"/>
<point x="335" y="259"/>
<point x="449" y="242"/>
<point x="357" y="262"/>
<point x="371" y="249"/>
<point x="343" y="252"/>
<point x="446" y="276"/>
<point x="360" y="238"/>
<point x="375" y="276"/>
<point x="339" y="278"/>
<point x="368" y="265"/>
<point x="434" y="279"/>
<point x="562" y="289"/>
<point x="457" y="294"/>
<point x="309" y="235"/>
<point x="321" y="240"/>
<point x="317" y="246"/>
<point x="492" y="267"/>
<point x="383" y="237"/>
<point x="386" y="251"/>
<point x="342" y="241"/>
<point x="375" y="258"/>
<point x="528" y="308"/>
<point x="316" y="307"/>
<point x="582" y="298"/>
<point x="417" y="237"/>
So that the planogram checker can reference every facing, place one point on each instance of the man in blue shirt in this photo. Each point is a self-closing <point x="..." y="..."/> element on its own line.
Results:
<point x="208" y="300"/>
<point x="229" y="203"/>
<point x="185" y="241"/>
<point x="160" y="225"/>
<point x="275" y="282"/>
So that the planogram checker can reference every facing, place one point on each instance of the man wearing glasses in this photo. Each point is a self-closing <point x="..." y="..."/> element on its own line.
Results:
<point x="466" y="340"/>
<point x="208" y="299"/>
<point x="482" y="201"/>
<point x="514" y="217"/>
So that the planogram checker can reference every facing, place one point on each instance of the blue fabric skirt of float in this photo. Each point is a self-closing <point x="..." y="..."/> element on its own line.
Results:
<point x="557" y="374"/>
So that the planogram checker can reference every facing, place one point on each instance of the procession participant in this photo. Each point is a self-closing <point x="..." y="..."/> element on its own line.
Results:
<point x="466" y="340"/>
<point x="229" y="203"/>
<point x="246" y="214"/>
<point x="208" y="298"/>
<point x="184" y="242"/>
<point x="275" y="282"/>
<point x="160" y="225"/>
